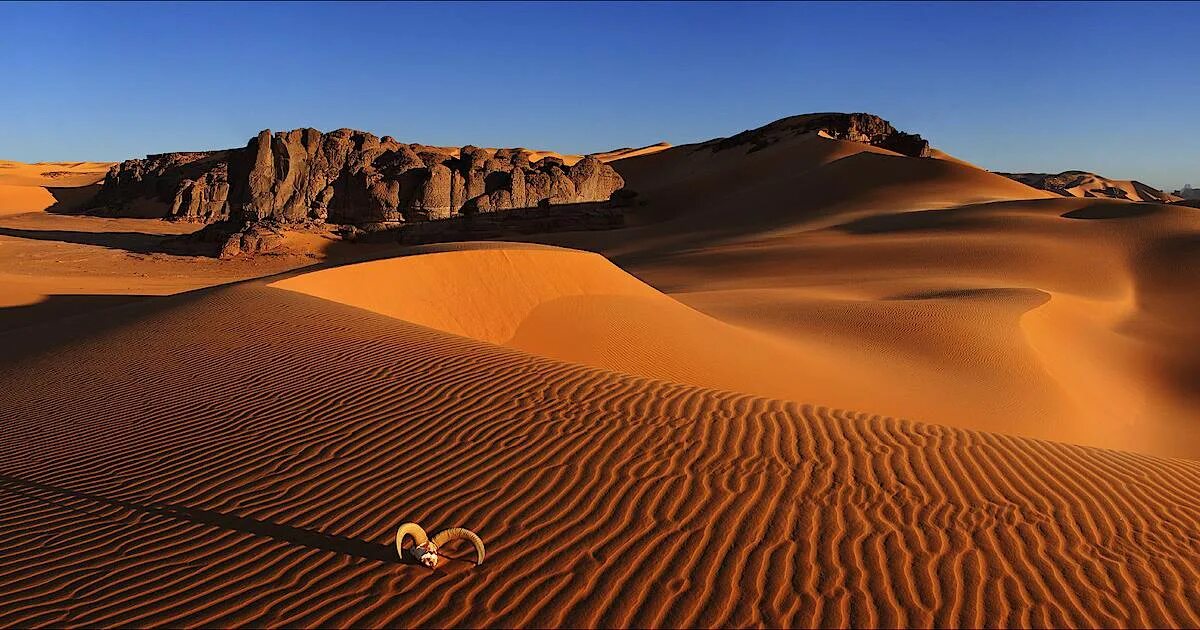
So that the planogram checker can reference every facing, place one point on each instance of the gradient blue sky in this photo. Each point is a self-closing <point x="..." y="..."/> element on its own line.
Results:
<point x="1112" y="88"/>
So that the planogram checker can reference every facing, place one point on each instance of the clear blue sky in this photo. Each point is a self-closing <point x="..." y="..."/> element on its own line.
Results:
<point x="1113" y="88"/>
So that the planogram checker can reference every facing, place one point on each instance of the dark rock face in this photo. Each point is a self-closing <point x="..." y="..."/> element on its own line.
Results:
<point x="347" y="177"/>
<point x="184" y="186"/>
<point x="859" y="127"/>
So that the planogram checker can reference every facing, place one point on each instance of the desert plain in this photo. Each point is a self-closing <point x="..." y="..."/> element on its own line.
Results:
<point x="804" y="375"/>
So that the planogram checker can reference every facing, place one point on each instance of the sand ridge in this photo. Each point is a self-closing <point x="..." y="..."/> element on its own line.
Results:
<point x="572" y="306"/>
<point x="587" y="484"/>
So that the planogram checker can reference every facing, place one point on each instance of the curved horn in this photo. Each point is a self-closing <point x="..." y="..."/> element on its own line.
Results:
<point x="455" y="533"/>
<point x="410" y="529"/>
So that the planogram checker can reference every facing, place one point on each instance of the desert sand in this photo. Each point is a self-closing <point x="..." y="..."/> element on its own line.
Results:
<point x="57" y="185"/>
<point x="816" y="384"/>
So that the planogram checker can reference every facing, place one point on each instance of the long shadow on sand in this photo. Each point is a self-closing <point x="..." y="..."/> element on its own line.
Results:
<point x="276" y="531"/>
<point x="1112" y="211"/>
<point x="134" y="242"/>
<point x="54" y="307"/>
<point x="71" y="199"/>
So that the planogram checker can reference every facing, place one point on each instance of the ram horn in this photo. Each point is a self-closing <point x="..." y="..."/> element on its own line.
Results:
<point x="410" y="529"/>
<point x="455" y="533"/>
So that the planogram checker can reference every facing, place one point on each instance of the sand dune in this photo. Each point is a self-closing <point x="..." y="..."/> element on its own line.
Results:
<point x="329" y="425"/>
<point x="35" y="187"/>
<point x="1084" y="184"/>
<point x="648" y="430"/>
<point x="955" y="295"/>
<point x="15" y="199"/>
<point x="55" y="265"/>
<point x="576" y="307"/>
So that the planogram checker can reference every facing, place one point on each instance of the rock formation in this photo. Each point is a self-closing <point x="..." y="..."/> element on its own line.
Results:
<point x="344" y="177"/>
<point x="865" y="128"/>
<point x="188" y="186"/>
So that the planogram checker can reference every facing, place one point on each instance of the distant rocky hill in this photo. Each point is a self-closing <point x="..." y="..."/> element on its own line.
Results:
<point x="857" y="127"/>
<point x="344" y="177"/>
<point x="1188" y="193"/>
<point x="1085" y="184"/>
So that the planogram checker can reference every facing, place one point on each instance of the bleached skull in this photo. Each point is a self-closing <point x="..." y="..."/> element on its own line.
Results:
<point x="426" y="554"/>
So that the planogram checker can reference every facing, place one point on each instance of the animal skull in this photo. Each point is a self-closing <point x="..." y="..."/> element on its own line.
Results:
<point x="426" y="549"/>
<point x="426" y="554"/>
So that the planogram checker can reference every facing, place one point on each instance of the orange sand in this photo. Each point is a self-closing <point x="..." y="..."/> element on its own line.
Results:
<point x="649" y="437"/>
<point x="32" y="187"/>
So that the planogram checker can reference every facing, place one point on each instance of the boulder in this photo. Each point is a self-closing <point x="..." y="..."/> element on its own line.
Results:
<point x="594" y="180"/>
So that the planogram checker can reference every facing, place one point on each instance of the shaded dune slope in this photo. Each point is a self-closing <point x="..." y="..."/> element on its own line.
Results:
<point x="254" y="469"/>
<point x="803" y="178"/>
<point x="957" y="295"/>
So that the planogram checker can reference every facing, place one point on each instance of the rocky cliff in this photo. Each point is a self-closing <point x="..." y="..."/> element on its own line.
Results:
<point x="345" y="177"/>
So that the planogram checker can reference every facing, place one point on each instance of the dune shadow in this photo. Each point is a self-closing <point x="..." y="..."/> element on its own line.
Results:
<point x="944" y="294"/>
<point x="232" y="522"/>
<point x="54" y="307"/>
<point x="916" y="220"/>
<point x="1111" y="211"/>
<point x="1030" y="297"/>
<point x="71" y="199"/>
<point x="133" y="242"/>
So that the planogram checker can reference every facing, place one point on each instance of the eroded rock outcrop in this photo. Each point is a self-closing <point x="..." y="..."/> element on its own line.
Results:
<point x="858" y="127"/>
<point x="187" y="186"/>
<point x="346" y="177"/>
<point x="304" y="177"/>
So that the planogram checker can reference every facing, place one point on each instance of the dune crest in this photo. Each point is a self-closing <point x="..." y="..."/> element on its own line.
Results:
<point x="484" y="291"/>
<point x="572" y="306"/>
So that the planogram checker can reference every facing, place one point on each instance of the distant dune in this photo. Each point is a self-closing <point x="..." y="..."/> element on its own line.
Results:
<point x="813" y="381"/>
<point x="1084" y="184"/>
<point x="604" y="156"/>
<point x="35" y="187"/>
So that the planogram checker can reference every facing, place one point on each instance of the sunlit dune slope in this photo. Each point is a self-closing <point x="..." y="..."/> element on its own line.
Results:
<point x="242" y="456"/>
<point x="573" y="306"/>
<point x="15" y="199"/>
<point x="32" y="187"/>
